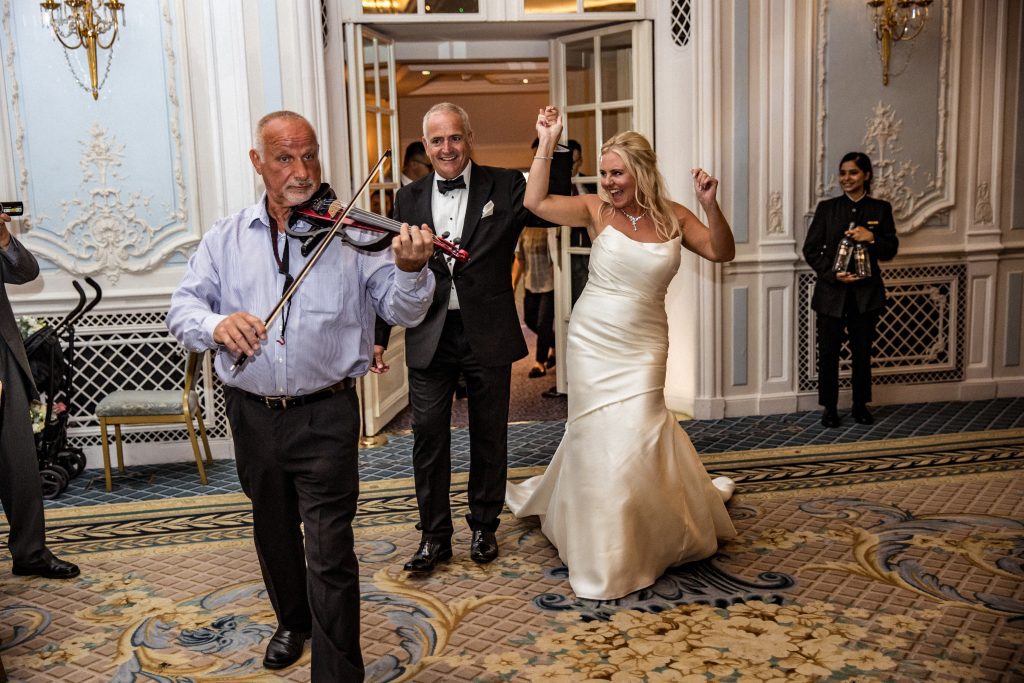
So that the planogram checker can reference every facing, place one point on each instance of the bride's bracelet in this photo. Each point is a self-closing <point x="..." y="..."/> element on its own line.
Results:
<point x="547" y="158"/>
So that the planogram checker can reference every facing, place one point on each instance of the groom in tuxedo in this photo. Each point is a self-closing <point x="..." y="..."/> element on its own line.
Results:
<point x="472" y="327"/>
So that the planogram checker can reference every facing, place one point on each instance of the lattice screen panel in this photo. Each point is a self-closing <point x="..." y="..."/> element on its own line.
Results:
<point x="920" y="335"/>
<point x="131" y="351"/>
<point x="682" y="22"/>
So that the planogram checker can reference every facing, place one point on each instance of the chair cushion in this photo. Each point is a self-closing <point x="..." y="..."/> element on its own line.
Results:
<point x="137" y="403"/>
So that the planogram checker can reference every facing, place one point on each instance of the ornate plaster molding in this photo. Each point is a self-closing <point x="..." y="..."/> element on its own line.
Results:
<point x="892" y="173"/>
<point x="18" y="135"/>
<point x="103" y="233"/>
<point x="819" y="122"/>
<point x="775" y="214"/>
<point x="983" y="204"/>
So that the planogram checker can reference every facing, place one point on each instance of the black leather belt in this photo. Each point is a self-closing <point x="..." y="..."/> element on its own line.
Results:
<point x="282" y="402"/>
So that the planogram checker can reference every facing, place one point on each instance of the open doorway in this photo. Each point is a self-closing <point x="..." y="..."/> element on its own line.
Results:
<point x="501" y="73"/>
<point x="502" y="96"/>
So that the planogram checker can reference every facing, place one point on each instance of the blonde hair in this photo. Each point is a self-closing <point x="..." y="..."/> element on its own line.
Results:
<point x="641" y="162"/>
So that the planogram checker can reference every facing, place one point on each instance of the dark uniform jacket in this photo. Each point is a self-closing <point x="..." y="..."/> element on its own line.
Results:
<point x="832" y="219"/>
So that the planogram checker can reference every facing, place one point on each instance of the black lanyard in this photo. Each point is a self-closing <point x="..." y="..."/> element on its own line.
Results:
<point x="282" y="269"/>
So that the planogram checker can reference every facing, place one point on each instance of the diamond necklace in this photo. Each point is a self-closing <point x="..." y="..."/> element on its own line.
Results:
<point x="633" y="220"/>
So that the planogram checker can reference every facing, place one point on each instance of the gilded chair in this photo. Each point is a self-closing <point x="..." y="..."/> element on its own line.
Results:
<point x="155" y="407"/>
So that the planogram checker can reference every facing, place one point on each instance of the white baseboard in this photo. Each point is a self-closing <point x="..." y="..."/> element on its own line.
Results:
<point x="1010" y="388"/>
<point x="709" y="408"/>
<point x="773" y="404"/>
<point x="157" y="453"/>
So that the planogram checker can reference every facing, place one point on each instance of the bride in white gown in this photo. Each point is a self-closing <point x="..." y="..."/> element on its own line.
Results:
<point x="625" y="496"/>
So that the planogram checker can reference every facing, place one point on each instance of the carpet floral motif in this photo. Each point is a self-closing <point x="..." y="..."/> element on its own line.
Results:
<point x="156" y="638"/>
<point x="922" y="582"/>
<point x="749" y="641"/>
<point x="890" y="545"/>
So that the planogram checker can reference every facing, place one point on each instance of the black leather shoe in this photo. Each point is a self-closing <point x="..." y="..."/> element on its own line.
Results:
<point x="284" y="649"/>
<point x="861" y="414"/>
<point x="484" y="547"/>
<point x="54" y="569"/>
<point x="428" y="555"/>
<point x="829" y="418"/>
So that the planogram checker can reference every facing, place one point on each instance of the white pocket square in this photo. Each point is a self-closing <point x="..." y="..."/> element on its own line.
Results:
<point x="488" y="209"/>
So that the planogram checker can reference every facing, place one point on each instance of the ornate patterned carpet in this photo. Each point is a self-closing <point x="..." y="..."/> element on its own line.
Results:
<point x="899" y="560"/>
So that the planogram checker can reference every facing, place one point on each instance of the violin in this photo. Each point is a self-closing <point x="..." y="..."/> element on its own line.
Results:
<point x="334" y="214"/>
<point x="361" y="229"/>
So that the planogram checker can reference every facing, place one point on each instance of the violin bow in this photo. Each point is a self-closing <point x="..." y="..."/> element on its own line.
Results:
<point x="338" y="222"/>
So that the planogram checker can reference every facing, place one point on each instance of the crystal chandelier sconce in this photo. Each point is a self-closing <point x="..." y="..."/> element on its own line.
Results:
<point x="897" y="20"/>
<point x="89" y="24"/>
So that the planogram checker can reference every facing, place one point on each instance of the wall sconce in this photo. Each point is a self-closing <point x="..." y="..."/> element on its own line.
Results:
<point x="897" y="20"/>
<point x="84" y="23"/>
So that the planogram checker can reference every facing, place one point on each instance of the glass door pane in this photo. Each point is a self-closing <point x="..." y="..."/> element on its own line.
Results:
<point x="583" y="125"/>
<point x="451" y="7"/>
<point x="614" y="121"/>
<point x="579" y="72"/>
<point x="389" y="6"/>
<point x="616" y="67"/>
<point x="373" y="129"/>
<point x="594" y="83"/>
<point x="609" y="6"/>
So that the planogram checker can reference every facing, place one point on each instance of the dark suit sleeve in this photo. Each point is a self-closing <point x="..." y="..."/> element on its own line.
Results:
<point x="886" y="241"/>
<point x="524" y="217"/>
<point x="396" y="212"/>
<point x="816" y="245"/>
<point x="17" y="264"/>
<point x="381" y="332"/>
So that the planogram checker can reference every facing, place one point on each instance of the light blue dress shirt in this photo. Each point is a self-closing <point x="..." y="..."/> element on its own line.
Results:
<point x="329" y="334"/>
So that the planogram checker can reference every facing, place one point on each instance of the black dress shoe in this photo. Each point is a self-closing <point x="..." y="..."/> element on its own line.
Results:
<point x="428" y="555"/>
<point x="830" y="418"/>
<point x="484" y="547"/>
<point x="54" y="569"/>
<point x="861" y="414"/>
<point x="284" y="649"/>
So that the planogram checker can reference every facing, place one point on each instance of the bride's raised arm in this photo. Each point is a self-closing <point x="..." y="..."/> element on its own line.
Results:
<point x="556" y="209"/>
<point x="713" y="241"/>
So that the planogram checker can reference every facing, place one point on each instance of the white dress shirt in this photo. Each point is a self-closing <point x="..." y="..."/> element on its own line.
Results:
<point x="449" y="212"/>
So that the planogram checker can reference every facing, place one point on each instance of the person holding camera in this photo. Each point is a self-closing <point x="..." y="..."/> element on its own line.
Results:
<point x="20" y="489"/>
<point x="847" y="238"/>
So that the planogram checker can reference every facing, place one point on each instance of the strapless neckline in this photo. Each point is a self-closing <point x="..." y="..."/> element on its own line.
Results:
<point x="611" y="228"/>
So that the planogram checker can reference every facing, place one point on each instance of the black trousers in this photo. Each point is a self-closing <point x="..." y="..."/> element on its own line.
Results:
<point x="20" y="487"/>
<point x="860" y="328"/>
<point x="300" y="466"/>
<point x="539" y="316"/>
<point x="430" y="393"/>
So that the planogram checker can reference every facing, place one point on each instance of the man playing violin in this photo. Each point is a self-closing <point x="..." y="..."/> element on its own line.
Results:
<point x="292" y="404"/>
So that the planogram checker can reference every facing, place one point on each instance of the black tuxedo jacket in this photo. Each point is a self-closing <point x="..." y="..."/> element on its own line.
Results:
<point x="484" y="283"/>
<point x="831" y="220"/>
<point x="27" y="270"/>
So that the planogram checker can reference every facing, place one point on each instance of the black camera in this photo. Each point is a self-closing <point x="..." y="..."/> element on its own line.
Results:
<point x="12" y="209"/>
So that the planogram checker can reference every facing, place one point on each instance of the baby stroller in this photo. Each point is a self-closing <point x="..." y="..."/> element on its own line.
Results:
<point x="51" y="356"/>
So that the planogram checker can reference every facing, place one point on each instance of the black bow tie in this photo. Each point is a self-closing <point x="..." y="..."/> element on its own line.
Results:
<point x="444" y="186"/>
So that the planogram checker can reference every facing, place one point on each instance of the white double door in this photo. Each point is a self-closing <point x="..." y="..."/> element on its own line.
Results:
<point x="602" y="80"/>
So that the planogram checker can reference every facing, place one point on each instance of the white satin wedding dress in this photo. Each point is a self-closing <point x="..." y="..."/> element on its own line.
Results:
<point x="625" y="496"/>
